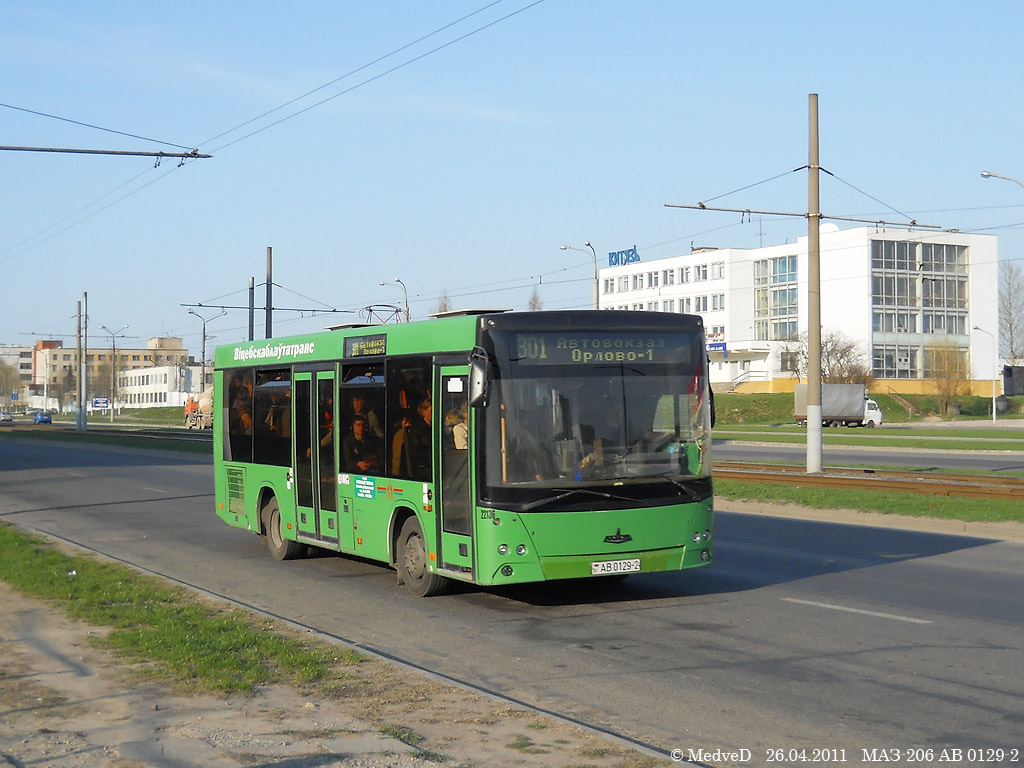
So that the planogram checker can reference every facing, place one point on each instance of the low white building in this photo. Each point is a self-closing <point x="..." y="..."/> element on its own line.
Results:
<point x="159" y="386"/>
<point x="894" y="292"/>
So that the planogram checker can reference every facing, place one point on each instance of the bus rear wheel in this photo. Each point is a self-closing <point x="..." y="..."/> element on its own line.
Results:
<point x="279" y="547"/>
<point x="412" y="562"/>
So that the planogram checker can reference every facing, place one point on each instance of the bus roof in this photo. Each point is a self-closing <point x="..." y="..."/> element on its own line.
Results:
<point x="453" y="332"/>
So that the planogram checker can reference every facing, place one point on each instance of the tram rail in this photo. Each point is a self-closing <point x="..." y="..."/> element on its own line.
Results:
<point x="925" y="483"/>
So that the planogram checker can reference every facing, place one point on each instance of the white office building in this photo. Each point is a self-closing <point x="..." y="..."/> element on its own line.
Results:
<point x="159" y="386"/>
<point x="896" y="293"/>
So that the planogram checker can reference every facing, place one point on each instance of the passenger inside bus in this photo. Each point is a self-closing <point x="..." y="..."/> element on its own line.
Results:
<point x="418" y="442"/>
<point x="362" y="449"/>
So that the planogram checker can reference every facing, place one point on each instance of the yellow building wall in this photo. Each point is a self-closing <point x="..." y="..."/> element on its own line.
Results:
<point x="879" y="386"/>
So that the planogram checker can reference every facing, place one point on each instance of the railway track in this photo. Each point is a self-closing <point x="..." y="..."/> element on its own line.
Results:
<point x="925" y="483"/>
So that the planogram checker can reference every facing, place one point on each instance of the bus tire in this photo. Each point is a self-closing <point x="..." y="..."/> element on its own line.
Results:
<point x="279" y="547"/>
<point x="412" y="562"/>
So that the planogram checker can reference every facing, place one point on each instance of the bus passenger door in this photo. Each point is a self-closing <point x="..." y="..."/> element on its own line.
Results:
<point x="453" y="478"/>
<point x="316" y="459"/>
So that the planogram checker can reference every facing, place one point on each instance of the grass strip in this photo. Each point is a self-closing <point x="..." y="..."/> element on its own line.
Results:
<point x="199" y="646"/>
<point x="885" y="502"/>
<point x="933" y="443"/>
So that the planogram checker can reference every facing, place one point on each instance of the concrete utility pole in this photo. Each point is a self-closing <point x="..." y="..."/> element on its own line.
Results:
<point x="270" y="292"/>
<point x="814" y="436"/>
<point x="83" y="367"/>
<point x="814" y="217"/>
<point x="252" y="307"/>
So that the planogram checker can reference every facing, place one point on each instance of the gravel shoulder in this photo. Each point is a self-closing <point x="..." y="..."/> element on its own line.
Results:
<point x="67" y="704"/>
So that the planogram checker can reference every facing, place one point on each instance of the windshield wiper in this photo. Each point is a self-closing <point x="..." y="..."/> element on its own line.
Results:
<point x="690" y="492"/>
<point x="565" y="493"/>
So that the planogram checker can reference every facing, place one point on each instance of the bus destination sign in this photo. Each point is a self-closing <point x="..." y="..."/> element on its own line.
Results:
<point x="583" y="348"/>
<point x="366" y="346"/>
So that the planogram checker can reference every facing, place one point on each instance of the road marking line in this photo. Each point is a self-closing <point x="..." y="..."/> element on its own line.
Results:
<point x="154" y="490"/>
<point x="876" y="614"/>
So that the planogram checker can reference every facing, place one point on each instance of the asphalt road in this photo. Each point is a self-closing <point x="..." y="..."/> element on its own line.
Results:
<point x="803" y="635"/>
<point x="749" y="449"/>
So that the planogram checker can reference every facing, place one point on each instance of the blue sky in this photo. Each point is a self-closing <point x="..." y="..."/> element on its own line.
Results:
<point x="464" y="169"/>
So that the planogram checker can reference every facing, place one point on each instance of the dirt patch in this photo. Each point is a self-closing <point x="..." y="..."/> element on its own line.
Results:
<point x="66" y="703"/>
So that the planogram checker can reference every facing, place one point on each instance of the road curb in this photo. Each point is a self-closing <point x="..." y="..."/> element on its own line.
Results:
<point x="1008" y="531"/>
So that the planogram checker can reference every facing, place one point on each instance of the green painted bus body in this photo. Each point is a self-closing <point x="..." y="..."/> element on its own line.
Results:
<point x="567" y="527"/>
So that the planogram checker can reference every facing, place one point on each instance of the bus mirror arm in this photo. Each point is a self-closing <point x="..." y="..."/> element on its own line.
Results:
<point x="479" y="378"/>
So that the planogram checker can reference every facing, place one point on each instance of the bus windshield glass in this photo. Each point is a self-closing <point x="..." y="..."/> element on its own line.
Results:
<point x="621" y="413"/>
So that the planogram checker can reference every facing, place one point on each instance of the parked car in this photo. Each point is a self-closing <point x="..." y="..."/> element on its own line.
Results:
<point x="6" y="418"/>
<point x="41" y="417"/>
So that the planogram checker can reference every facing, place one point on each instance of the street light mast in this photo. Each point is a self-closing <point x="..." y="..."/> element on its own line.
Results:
<point x="202" y="383"/>
<point x="593" y="255"/>
<point x="113" y="366"/>
<point x="398" y="281"/>
<point x="995" y="366"/>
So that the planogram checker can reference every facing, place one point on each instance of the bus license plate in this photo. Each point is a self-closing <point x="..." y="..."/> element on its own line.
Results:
<point x="615" y="566"/>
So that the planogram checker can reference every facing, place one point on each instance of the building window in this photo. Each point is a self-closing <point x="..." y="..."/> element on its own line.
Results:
<point x="700" y="303"/>
<point x="684" y="305"/>
<point x="684" y="274"/>
<point x="652" y="279"/>
<point x="718" y="301"/>
<point x="718" y="270"/>
<point x="669" y="277"/>
<point x="624" y="283"/>
<point x="638" y="282"/>
<point x="669" y="305"/>
<point x="917" y="289"/>
<point x="700" y="273"/>
<point x="609" y="285"/>
<point x="775" y="299"/>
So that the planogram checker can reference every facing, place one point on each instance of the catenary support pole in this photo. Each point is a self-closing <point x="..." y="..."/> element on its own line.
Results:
<point x="270" y="293"/>
<point x="814" y="436"/>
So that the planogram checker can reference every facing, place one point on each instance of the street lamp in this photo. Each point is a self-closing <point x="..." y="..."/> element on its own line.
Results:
<point x="113" y="366"/>
<point x="989" y="175"/>
<point x="202" y="384"/>
<point x="593" y="256"/>
<point x="995" y="367"/>
<point x="398" y="281"/>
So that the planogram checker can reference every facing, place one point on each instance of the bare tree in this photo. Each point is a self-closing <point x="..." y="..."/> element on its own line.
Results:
<point x="444" y="304"/>
<point x="9" y="382"/>
<point x="1011" y="312"/>
<point x="949" y="368"/>
<point x="535" y="303"/>
<point x="842" y="360"/>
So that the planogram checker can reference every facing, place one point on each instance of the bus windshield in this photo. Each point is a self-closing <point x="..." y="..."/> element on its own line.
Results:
<point x="622" y="413"/>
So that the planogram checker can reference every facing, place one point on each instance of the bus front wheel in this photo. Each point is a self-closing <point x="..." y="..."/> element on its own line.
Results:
<point x="412" y="562"/>
<point x="279" y="547"/>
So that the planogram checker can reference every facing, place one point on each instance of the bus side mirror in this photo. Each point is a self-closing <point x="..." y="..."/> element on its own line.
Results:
<point x="711" y="402"/>
<point x="479" y="378"/>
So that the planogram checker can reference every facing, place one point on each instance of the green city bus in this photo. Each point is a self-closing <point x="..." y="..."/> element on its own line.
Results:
<point x="492" y="448"/>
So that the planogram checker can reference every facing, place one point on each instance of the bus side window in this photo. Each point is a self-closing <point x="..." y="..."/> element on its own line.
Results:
<point x="407" y="424"/>
<point x="238" y="404"/>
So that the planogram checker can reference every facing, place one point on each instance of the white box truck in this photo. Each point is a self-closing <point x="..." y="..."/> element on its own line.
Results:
<point x="846" y="405"/>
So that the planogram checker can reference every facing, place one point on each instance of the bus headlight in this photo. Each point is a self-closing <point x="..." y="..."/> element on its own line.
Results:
<point x="521" y="550"/>
<point x="696" y="537"/>
<point x="503" y="549"/>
